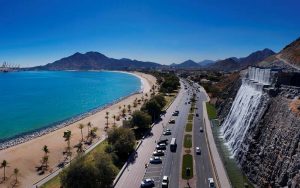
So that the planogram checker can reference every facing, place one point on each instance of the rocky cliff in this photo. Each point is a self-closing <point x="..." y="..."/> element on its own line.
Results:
<point x="272" y="149"/>
<point x="270" y="152"/>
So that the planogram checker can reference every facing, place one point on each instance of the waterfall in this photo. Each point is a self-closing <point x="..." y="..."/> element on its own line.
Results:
<point x="246" y="107"/>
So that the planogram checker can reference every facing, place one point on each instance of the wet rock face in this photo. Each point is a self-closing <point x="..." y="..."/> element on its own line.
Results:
<point x="224" y="103"/>
<point x="270" y="154"/>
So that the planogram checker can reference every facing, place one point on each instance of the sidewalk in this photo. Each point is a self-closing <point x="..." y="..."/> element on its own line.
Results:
<point x="220" y="174"/>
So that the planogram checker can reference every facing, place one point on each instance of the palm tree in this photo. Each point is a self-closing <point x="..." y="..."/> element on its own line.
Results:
<point x="106" y="117"/>
<point x="67" y="136"/>
<point x="16" y="173"/>
<point x="81" y="126"/>
<point x="89" y="125"/>
<point x="93" y="132"/>
<point x="79" y="147"/>
<point x="44" y="162"/>
<point x="129" y="107"/>
<point x="46" y="150"/>
<point x="124" y="112"/>
<point x="114" y="117"/>
<point x="4" y="165"/>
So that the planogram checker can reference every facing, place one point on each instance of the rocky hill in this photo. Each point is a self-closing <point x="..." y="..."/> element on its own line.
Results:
<point x="95" y="61"/>
<point x="288" y="58"/>
<point x="291" y="53"/>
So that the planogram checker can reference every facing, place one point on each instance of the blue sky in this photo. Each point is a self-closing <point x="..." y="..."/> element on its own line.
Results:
<point x="35" y="32"/>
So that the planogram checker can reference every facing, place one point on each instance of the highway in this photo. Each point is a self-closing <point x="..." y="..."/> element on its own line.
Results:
<point x="171" y="162"/>
<point x="203" y="164"/>
<point x="134" y="173"/>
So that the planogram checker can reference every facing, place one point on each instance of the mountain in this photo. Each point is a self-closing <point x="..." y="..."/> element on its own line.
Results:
<point x="256" y="57"/>
<point x="186" y="64"/>
<point x="228" y="64"/>
<point x="95" y="61"/>
<point x="233" y="63"/>
<point x="206" y="62"/>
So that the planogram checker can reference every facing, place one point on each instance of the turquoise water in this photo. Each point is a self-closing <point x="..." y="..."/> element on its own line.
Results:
<point x="33" y="100"/>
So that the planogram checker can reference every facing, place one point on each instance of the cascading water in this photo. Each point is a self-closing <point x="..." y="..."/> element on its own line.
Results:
<point x="246" y="107"/>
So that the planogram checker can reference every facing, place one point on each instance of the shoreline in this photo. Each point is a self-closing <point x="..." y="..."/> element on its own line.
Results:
<point x="26" y="156"/>
<point x="30" y="135"/>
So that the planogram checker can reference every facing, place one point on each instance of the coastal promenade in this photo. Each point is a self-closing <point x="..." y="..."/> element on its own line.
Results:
<point x="26" y="156"/>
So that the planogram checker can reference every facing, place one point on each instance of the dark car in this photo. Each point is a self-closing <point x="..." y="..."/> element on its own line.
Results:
<point x="161" y="147"/>
<point x="147" y="183"/>
<point x="163" y="141"/>
<point x="155" y="160"/>
<point x="158" y="153"/>
<point x="172" y="121"/>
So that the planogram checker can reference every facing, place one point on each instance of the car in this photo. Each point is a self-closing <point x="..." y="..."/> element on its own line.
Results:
<point x="147" y="183"/>
<point x="167" y="133"/>
<point x="211" y="183"/>
<point x="163" y="141"/>
<point x="201" y="129"/>
<point x="175" y="113"/>
<point x="198" y="151"/>
<point x="165" y="182"/>
<point x="172" y="121"/>
<point x="197" y="115"/>
<point x="158" y="153"/>
<point x="155" y="160"/>
<point x="161" y="146"/>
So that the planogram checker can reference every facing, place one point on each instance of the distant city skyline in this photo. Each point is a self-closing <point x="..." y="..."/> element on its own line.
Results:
<point x="37" y="32"/>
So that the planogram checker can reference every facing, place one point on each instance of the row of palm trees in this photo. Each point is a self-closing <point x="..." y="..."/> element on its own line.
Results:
<point x="16" y="172"/>
<point x="68" y="151"/>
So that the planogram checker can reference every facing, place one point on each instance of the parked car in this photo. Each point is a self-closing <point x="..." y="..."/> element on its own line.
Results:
<point x="147" y="183"/>
<point x="163" y="141"/>
<point x="167" y="132"/>
<point x="155" y="160"/>
<point x="198" y="151"/>
<point x="161" y="146"/>
<point x="172" y="121"/>
<point x="176" y="113"/>
<point x="158" y="153"/>
<point x="165" y="182"/>
<point x="211" y="183"/>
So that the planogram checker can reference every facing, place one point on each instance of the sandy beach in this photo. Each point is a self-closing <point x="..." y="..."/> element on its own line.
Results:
<point x="26" y="156"/>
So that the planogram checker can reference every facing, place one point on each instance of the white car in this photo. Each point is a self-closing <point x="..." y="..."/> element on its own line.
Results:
<point x="165" y="182"/>
<point x="198" y="151"/>
<point x="211" y="183"/>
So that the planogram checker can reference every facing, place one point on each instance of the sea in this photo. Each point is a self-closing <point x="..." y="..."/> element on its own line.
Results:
<point x="33" y="100"/>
